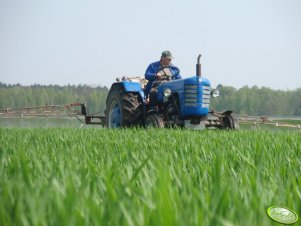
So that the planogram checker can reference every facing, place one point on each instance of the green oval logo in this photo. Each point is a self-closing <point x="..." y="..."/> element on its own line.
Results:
<point x="282" y="215"/>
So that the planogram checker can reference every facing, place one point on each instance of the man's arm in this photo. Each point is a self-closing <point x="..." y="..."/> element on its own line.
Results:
<point x="150" y="73"/>
<point x="177" y="76"/>
<point x="176" y="73"/>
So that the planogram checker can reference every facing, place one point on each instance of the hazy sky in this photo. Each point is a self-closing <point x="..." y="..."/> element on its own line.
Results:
<point x="243" y="42"/>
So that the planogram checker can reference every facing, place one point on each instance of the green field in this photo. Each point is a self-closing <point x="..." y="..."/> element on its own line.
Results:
<point x="56" y="176"/>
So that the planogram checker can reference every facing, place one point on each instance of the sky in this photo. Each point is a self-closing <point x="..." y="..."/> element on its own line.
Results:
<point x="242" y="42"/>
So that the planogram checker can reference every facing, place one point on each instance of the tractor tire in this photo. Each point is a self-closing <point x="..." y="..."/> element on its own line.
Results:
<point x="123" y="110"/>
<point x="132" y="109"/>
<point x="153" y="120"/>
<point x="230" y="122"/>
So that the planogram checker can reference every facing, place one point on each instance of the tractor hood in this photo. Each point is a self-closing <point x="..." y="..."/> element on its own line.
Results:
<point x="193" y="94"/>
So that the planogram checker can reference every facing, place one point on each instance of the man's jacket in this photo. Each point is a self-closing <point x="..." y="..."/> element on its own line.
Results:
<point x="153" y="69"/>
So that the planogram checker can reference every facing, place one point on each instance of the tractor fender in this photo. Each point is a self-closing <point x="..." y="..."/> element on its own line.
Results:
<point x="133" y="87"/>
<point x="129" y="87"/>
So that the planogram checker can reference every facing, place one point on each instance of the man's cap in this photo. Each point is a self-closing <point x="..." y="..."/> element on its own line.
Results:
<point x="167" y="54"/>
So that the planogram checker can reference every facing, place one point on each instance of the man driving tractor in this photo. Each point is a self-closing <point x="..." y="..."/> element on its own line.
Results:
<point x="161" y="70"/>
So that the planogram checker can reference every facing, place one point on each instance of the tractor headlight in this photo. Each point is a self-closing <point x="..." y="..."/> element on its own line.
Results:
<point x="167" y="92"/>
<point x="215" y="93"/>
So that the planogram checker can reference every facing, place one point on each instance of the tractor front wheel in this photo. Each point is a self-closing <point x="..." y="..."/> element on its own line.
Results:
<point x="153" y="120"/>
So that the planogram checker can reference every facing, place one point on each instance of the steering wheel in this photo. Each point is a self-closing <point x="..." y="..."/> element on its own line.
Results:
<point x="166" y="76"/>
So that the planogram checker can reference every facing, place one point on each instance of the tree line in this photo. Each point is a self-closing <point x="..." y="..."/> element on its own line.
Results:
<point x="15" y="96"/>
<point x="246" y="100"/>
<point x="259" y="101"/>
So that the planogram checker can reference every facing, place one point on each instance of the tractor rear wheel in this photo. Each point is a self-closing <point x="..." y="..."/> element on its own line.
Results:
<point x="153" y="120"/>
<point x="123" y="110"/>
<point x="230" y="122"/>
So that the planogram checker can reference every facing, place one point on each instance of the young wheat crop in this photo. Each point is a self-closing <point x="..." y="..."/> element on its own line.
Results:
<point x="146" y="177"/>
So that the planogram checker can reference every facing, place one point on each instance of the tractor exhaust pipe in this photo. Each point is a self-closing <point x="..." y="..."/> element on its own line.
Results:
<point x="198" y="67"/>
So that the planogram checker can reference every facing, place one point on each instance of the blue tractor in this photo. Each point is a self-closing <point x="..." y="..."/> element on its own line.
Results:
<point x="171" y="103"/>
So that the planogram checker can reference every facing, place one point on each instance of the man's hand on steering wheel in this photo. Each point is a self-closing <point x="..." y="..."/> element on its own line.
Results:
<point x="163" y="76"/>
<point x="160" y="76"/>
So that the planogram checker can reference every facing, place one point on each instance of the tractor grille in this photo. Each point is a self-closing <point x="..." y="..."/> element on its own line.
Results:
<point x="190" y="95"/>
<point x="206" y="97"/>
